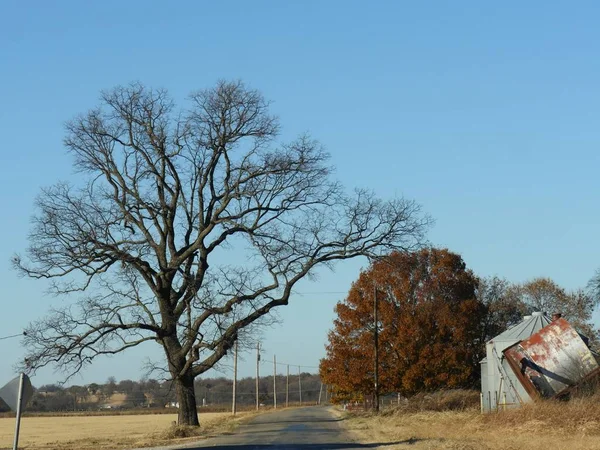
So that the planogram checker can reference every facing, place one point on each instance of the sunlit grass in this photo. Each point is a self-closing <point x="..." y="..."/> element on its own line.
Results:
<point x="546" y="425"/>
<point x="108" y="432"/>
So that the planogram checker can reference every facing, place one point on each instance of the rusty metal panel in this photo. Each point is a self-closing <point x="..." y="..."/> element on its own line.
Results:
<point x="551" y="360"/>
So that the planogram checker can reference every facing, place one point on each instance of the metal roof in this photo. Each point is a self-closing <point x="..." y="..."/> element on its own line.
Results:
<point x="522" y="330"/>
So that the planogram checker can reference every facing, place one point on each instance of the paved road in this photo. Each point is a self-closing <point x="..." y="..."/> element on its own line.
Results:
<point x="312" y="428"/>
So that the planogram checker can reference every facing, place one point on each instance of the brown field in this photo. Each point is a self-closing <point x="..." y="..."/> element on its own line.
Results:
<point x="106" y="432"/>
<point x="552" y="425"/>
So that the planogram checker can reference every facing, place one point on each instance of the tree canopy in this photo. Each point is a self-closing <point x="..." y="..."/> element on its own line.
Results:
<point x="429" y="327"/>
<point x="191" y="225"/>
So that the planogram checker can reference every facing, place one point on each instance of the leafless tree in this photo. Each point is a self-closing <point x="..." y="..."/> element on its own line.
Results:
<point x="191" y="226"/>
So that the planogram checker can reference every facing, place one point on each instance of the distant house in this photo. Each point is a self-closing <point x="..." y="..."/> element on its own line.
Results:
<point x="172" y="405"/>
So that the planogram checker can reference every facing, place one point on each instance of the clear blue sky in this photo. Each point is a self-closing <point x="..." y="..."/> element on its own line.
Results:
<point x="486" y="115"/>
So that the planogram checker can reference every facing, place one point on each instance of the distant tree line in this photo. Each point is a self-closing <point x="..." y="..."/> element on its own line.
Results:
<point x="218" y="391"/>
<point x="112" y="394"/>
<point x="128" y="394"/>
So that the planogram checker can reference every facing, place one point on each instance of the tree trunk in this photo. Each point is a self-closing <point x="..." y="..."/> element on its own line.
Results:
<point x="188" y="413"/>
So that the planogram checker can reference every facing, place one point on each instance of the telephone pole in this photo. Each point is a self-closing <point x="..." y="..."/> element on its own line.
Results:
<point x="274" y="382"/>
<point x="287" y="387"/>
<point x="257" y="371"/>
<point x="320" y="393"/>
<point x="300" y="385"/>
<point x="235" y="357"/>
<point x="376" y="345"/>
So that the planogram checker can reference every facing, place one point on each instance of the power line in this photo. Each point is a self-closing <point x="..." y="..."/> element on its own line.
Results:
<point x="13" y="336"/>
<point x="319" y="292"/>
<point x="271" y="392"/>
<point x="286" y="364"/>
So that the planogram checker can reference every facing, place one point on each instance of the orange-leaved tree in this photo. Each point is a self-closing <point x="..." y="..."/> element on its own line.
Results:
<point x="429" y="322"/>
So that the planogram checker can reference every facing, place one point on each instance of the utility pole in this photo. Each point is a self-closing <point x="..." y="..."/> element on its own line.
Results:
<point x="257" y="371"/>
<point x="300" y="385"/>
<point x="376" y="344"/>
<point x="320" y="393"/>
<point x="274" y="382"/>
<point x="287" y="387"/>
<point x="235" y="356"/>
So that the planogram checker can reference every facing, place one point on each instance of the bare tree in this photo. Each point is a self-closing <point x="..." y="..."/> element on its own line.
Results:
<point x="192" y="226"/>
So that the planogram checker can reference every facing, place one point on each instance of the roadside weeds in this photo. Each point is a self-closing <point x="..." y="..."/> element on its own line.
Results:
<point x="554" y="425"/>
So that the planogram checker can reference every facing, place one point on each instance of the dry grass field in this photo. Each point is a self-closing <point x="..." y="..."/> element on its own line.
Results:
<point x="548" y="425"/>
<point x="106" y="432"/>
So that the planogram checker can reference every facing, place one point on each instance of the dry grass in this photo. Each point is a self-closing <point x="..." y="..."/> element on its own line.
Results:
<point x="110" y="432"/>
<point x="452" y="400"/>
<point x="548" y="425"/>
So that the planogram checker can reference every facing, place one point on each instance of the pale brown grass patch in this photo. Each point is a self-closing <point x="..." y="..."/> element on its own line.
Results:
<point x="110" y="432"/>
<point x="547" y="425"/>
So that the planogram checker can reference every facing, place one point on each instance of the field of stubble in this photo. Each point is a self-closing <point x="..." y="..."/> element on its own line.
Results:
<point x="103" y="432"/>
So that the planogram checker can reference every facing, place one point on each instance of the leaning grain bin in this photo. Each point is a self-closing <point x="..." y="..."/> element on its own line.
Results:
<point x="552" y="361"/>
<point x="500" y="387"/>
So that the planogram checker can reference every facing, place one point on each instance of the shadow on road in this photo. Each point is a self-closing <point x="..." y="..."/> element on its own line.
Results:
<point x="340" y="446"/>
<point x="303" y="420"/>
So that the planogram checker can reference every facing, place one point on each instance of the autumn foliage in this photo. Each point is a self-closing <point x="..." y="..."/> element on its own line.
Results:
<point x="429" y="327"/>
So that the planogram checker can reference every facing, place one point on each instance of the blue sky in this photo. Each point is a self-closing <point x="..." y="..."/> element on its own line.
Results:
<point x="486" y="115"/>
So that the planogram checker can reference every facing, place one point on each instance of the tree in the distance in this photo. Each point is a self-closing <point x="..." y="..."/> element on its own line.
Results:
<point x="503" y="304"/>
<point x="507" y="303"/>
<point x="545" y="295"/>
<point x="429" y="323"/>
<point x="109" y="388"/>
<point x="191" y="226"/>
